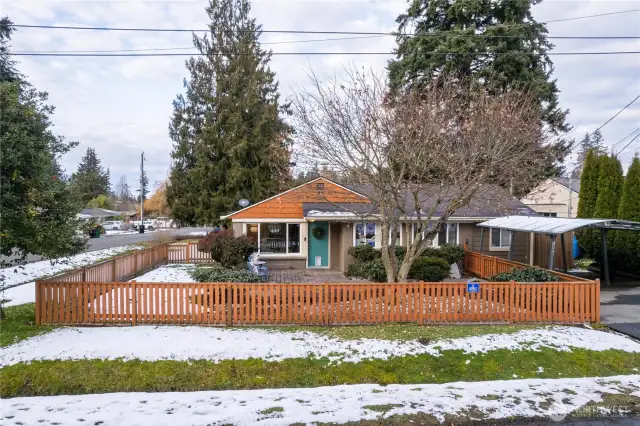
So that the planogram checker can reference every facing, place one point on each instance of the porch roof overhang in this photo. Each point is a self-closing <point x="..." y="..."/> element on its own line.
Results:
<point x="556" y="226"/>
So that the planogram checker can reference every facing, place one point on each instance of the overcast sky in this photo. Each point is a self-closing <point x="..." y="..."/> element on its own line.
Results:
<point x="121" y="106"/>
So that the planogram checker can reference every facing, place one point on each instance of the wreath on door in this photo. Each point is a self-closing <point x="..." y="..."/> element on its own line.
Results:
<point x="318" y="233"/>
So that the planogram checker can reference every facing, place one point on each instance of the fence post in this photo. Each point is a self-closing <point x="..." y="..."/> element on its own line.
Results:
<point x="135" y="264"/>
<point x="325" y="289"/>
<point x="512" y="301"/>
<point x="421" y="299"/>
<point x="230" y="304"/>
<point x="597" y="312"/>
<point x="113" y="271"/>
<point x="166" y="253"/>
<point x="134" y="306"/>
<point x="188" y="255"/>
<point x="84" y="275"/>
<point x="495" y="265"/>
<point x="38" y="303"/>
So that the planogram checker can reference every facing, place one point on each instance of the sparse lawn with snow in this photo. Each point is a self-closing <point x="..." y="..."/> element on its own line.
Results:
<point x="364" y="404"/>
<point x="19" y="324"/>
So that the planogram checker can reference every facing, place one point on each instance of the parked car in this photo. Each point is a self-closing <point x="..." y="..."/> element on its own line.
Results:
<point x="149" y="224"/>
<point x="112" y="225"/>
<point x="165" y="222"/>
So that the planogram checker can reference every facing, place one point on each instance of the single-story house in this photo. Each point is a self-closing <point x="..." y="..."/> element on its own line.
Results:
<point x="555" y="197"/>
<point x="314" y="224"/>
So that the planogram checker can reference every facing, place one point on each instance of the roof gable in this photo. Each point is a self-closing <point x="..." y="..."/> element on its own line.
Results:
<point x="288" y="204"/>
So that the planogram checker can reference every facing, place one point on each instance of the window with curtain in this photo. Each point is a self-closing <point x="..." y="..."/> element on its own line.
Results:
<point x="499" y="238"/>
<point x="448" y="234"/>
<point x="273" y="238"/>
<point x="365" y="233"/>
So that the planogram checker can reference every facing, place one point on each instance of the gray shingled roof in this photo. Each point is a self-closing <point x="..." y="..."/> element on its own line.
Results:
<point x="491" y="201"/>
<point x="564" y="181"/>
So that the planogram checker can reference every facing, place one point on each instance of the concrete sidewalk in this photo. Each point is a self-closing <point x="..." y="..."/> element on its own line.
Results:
<point x="620" y="309"/>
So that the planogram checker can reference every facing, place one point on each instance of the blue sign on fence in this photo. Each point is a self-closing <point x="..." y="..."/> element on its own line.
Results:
<point x="473" y="287"/>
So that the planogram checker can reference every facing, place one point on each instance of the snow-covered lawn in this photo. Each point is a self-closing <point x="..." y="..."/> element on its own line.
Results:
<point x="23" y="274"/>
<point x="152" y="343"/>
<point x="177" y="273"/>
<point x="551" y="398"/>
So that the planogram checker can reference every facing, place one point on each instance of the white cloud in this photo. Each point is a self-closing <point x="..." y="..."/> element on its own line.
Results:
<point x="122" y="106"/>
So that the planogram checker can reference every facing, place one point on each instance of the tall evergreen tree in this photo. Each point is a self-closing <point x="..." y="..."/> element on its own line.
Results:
<point x="588" y="198"/>
<point x="143" y="182"/>
<point x="627" y="242"/>
<point x="230" y="141"/>
<point x="91" y="179"/>
<point x="37" y="209"/>
<point x="593" y="142"/>
<point x="610" y="183"/>
<point x="497" y="43"/>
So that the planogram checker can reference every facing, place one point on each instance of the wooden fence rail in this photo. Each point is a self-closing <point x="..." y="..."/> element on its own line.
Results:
<point x="134" y="303"/>
<point x="487" y="266"/>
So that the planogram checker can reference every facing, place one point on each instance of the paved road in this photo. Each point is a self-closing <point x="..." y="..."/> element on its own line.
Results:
<point x="620" y="309"/>
<point x="122" y="240"/>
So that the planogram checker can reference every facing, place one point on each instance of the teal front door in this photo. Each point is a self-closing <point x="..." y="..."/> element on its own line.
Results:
<point x="318" y="245"/>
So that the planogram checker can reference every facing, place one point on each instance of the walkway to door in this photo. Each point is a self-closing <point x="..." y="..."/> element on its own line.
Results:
<point x="311" y="276"/>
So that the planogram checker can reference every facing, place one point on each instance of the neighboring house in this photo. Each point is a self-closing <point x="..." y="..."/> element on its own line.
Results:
<point x="555" y="197"/>
<point x="314" y="224"/>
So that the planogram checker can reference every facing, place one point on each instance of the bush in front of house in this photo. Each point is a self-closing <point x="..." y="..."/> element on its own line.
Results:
<point x="526" y="275"/>
<point x="450" y="252"/>
<point x="431" y="269"/>
<point x="363" y="253"/>
<point x="226" y="249"/>
<point x="375" y="271"/>
<point x="217" y="274"/>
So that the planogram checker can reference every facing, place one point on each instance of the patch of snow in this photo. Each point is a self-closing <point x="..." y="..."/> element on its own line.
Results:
<point x="176" y="273"/>
<point x="540" y="370"/>
<point x="334" y="404"/>
<point x="342" y="213"/>
<point x="25" y="293"/>
<point x="454" y="272"/>
<point x="197" y="233"/>
<point x="149" y="343"/>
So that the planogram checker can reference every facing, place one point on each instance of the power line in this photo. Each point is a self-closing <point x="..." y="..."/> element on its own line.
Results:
<point x="606" y="122"/>
<point x="625" y="138"/>
<point x="311" y="54"/>
<point x="591" y="16"/>
<point x="627" y="145"/>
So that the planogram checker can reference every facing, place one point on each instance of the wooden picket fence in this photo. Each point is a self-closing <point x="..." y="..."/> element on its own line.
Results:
<point x="487" y="266"/>
<point x="130" y="265"/>
<point x="131" y="303"/>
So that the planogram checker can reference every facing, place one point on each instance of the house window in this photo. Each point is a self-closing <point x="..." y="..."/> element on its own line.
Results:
<point x="549" y="214"/>
<point x="275" y="238"/>
<point x="320" y="186"/>
<point x="365" y="233"/>
<point x="499" y="239"/>
<point x="448" y="234"/>
<point x="398" y="236"/>
<point x="293" y="238"/>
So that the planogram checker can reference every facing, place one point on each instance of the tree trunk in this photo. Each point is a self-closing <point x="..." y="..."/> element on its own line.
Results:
<point x="389" y="259"/>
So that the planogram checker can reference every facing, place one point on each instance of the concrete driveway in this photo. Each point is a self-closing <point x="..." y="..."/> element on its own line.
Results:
<point x="620" y="309"/>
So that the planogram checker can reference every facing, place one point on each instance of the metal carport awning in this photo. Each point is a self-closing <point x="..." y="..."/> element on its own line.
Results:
<point x="553" y="226"/>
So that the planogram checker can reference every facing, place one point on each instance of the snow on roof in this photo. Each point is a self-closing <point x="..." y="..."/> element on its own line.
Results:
<point x="554" y="225"/>
<point x="318" y="213"/>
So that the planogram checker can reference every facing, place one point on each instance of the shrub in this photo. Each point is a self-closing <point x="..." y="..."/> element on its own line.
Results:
<point x="216" y="274"/>
<point x="450" y="252"/>
<point x="363" y="253"/>
<point x="430" y="269"/>
<point x="226" y="249"/>
<point x="526" y="275"/>
<point x="356" y="270"/>
<point x="400" y="253"/>
<point x="375" y="271"/>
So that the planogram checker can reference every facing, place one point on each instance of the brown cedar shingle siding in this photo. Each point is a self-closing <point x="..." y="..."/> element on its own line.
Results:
<point x="520" y="245"/>
<point x="289" y="205"/>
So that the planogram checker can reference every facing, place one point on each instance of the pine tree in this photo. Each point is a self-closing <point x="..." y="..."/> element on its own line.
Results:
<point x="143" y="182"/>
<point x="37" y="209"/>
<point x="230" y="141"/>
<point x="593" y="142"/>
<point x="90" y="180"/>
<point x="587" y="201"/>
<point x="498" y="64"/>
<point x="628" y="242"/>
<point x="610" y="183"/>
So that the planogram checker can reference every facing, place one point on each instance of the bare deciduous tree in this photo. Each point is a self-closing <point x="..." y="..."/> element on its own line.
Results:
<point x="422" y="155"/>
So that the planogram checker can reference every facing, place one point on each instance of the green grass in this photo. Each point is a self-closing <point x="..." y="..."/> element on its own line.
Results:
<point x="19" y="324"/>
<point x="100" y="376"/>
<point x="409" y="331"/>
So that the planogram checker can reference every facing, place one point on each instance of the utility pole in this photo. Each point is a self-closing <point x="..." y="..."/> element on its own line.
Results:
<point x="570" y="199"/>
<point x="142" y="189"/>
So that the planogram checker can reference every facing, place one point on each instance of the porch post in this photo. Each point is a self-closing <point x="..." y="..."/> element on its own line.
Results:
<point x="511" y="235"/>
<point x="605" y="256"/>
<point x="481" y="238"/>
<point x="552" y="252"/>
<point x="564" y="254"/>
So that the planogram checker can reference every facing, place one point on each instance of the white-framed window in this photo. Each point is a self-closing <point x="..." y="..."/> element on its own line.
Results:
<point x="499" y="238"/>
<point x="449" y="234"/>
<point x="364" y="233"/>
<point x="398" y="237"/>
<point x="275" y="238"/>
